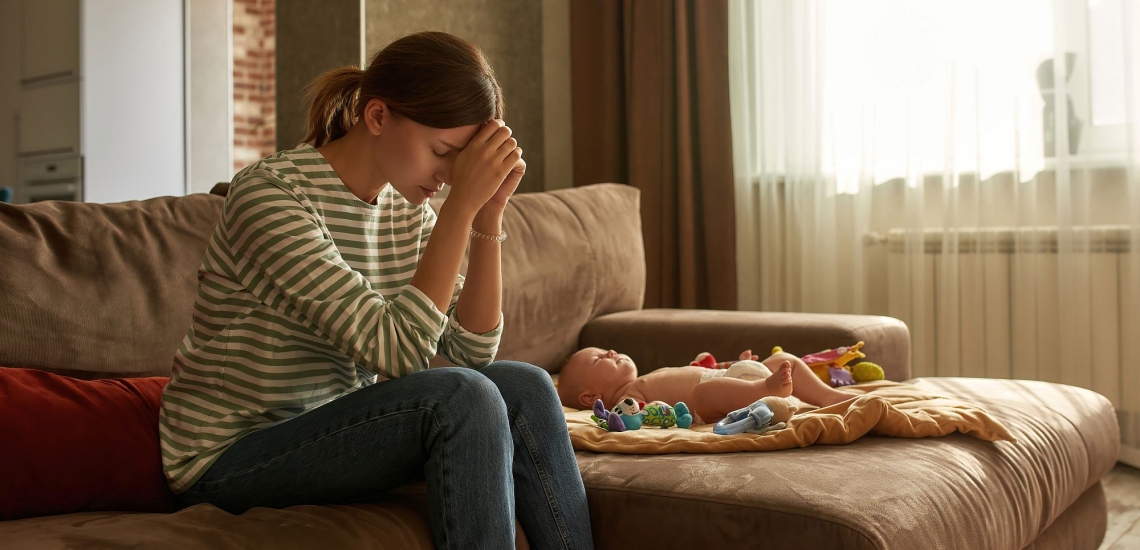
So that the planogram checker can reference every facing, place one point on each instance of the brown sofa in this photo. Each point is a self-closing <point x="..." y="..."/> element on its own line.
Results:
<point x="105" y="290"/>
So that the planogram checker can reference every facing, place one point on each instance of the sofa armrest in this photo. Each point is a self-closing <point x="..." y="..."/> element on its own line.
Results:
<point x="656" y="338"/>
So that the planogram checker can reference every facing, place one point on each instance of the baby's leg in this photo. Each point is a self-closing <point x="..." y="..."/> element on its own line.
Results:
<point x="714" y="398"/>
<point x="807" y="386"/>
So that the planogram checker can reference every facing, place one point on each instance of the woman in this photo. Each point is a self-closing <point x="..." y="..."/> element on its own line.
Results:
<point x="321" y="276"/>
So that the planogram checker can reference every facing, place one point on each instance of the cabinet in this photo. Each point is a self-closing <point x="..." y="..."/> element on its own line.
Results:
<point x="50" y="40"/>
<point x="48" y="137"/>
<point x="49" y="119"/>
<point x="52" y="178"/>
<point x="101" y="100"/>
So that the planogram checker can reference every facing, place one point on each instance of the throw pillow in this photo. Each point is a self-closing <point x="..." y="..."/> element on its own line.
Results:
<point x="70" y="445"/>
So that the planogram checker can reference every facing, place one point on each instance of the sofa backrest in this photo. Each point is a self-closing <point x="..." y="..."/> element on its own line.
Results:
<point x="105" y="289"/>
<point x="101" y="290"/>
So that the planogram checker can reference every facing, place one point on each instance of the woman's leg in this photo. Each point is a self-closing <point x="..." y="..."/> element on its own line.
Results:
<point x="549" y="494"/>
<point x="448" y="425"/>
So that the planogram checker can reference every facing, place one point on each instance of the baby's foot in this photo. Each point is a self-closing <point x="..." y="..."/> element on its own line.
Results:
<point x="780" y="383"/>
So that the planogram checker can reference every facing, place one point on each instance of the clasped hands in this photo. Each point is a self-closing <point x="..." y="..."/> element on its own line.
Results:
<point x="488" y="170"/>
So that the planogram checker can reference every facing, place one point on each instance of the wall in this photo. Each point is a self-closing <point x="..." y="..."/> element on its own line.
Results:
<point x="209" y="90"/>
<point x="322" y="36"/>
<point x="558" y="153"/>
<point x="508" y="31"/>
<point x="254" y="74"/>
<point x="9" y="89"/>
<point x="132" y="99"/>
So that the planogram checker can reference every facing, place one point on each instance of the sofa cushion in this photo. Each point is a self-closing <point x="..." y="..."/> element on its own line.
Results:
<point x="103" y="288"/>
<point x="949" y="492"/>
<point x="71" y="445"/>
<point x="395" y="521"/>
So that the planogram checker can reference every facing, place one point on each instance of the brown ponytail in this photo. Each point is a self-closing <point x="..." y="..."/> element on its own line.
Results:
<point x="433" y="78"/>
<point x="332" y="99"/>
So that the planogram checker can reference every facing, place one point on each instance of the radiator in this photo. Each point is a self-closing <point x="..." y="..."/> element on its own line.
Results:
<point x="1001" y="303"/>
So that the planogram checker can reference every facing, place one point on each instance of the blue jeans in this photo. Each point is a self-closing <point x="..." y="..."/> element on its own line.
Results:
<point x="491" y="443"/>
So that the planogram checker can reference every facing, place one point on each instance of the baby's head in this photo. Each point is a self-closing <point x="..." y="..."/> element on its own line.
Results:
<point x="594" y="373"/>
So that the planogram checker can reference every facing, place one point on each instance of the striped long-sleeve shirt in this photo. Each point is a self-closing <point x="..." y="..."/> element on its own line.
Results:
<point x="303" y="297"/>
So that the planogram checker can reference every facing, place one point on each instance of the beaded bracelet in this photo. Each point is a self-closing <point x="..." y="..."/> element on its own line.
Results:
<point x="493" y="238"/>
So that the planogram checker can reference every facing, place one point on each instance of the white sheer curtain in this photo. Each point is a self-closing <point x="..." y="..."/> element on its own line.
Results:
<point x="908" y="159"/>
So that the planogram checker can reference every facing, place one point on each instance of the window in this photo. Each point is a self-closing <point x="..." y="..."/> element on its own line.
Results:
<point x="1099" y="39"/>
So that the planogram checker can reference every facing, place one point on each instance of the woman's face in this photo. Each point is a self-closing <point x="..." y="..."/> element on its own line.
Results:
<point x="417" y="159"/>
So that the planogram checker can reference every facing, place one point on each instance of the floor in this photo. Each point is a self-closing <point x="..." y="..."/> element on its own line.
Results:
<point x="1122" y="487"/>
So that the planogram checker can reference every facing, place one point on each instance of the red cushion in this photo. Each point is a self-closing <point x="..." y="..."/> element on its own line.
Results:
<point x="70" y="445"/>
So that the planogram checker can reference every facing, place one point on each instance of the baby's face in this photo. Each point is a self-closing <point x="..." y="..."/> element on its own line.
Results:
<point x="595" y="371"/>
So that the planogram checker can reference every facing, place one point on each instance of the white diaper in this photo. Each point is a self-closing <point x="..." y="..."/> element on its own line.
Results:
<point x="744" y="370"/>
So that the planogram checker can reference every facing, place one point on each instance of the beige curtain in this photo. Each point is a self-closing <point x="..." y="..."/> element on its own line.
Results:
<point x="650" y="109"/>
<point x="985" y="190"/>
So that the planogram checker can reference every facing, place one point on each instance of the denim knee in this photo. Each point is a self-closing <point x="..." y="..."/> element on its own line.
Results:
<point x="474" y="396"/>
<point x="521" y="384"/>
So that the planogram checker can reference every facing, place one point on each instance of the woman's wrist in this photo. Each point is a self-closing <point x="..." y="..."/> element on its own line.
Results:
<point x="458" y="210"/>
<point x="489" y="220"/>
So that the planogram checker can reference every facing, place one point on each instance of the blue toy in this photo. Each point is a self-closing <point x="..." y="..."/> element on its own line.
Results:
<point x="769" y="413"/>
<point x="631" y="415"/>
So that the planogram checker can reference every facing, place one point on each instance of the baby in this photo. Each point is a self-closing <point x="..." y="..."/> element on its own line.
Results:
<point x="711" y="394"/>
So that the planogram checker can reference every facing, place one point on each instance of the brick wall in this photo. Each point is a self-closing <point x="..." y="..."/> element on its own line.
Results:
<point x="255" y="128"/>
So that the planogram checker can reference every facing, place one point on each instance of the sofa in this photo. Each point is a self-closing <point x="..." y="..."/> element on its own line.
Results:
<point x="101" y="291"/>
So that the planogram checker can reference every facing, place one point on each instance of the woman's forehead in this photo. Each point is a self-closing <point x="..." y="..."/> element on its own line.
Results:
<point x="455" y="136"/>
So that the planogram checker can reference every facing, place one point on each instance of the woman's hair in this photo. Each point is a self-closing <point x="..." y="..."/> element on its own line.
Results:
<point x="433" y="78"/>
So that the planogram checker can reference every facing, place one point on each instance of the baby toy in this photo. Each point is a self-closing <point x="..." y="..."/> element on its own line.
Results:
<point x="767" y="414"/>
<point x="631" y="415"/>
<point x="607" y="420"/>
<point x="706" y="360"/>
<point x="830" y="365"/>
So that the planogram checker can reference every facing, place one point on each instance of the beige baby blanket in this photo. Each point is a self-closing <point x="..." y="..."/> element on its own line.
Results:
<point x="882" y="408"/>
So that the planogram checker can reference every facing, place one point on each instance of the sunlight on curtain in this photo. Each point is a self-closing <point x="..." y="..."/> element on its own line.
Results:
<point x="970" y="167"/>
<point x="960" y="76"/>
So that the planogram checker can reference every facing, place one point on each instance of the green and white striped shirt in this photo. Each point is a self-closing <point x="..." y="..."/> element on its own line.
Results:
<point x="303" y="297"/>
